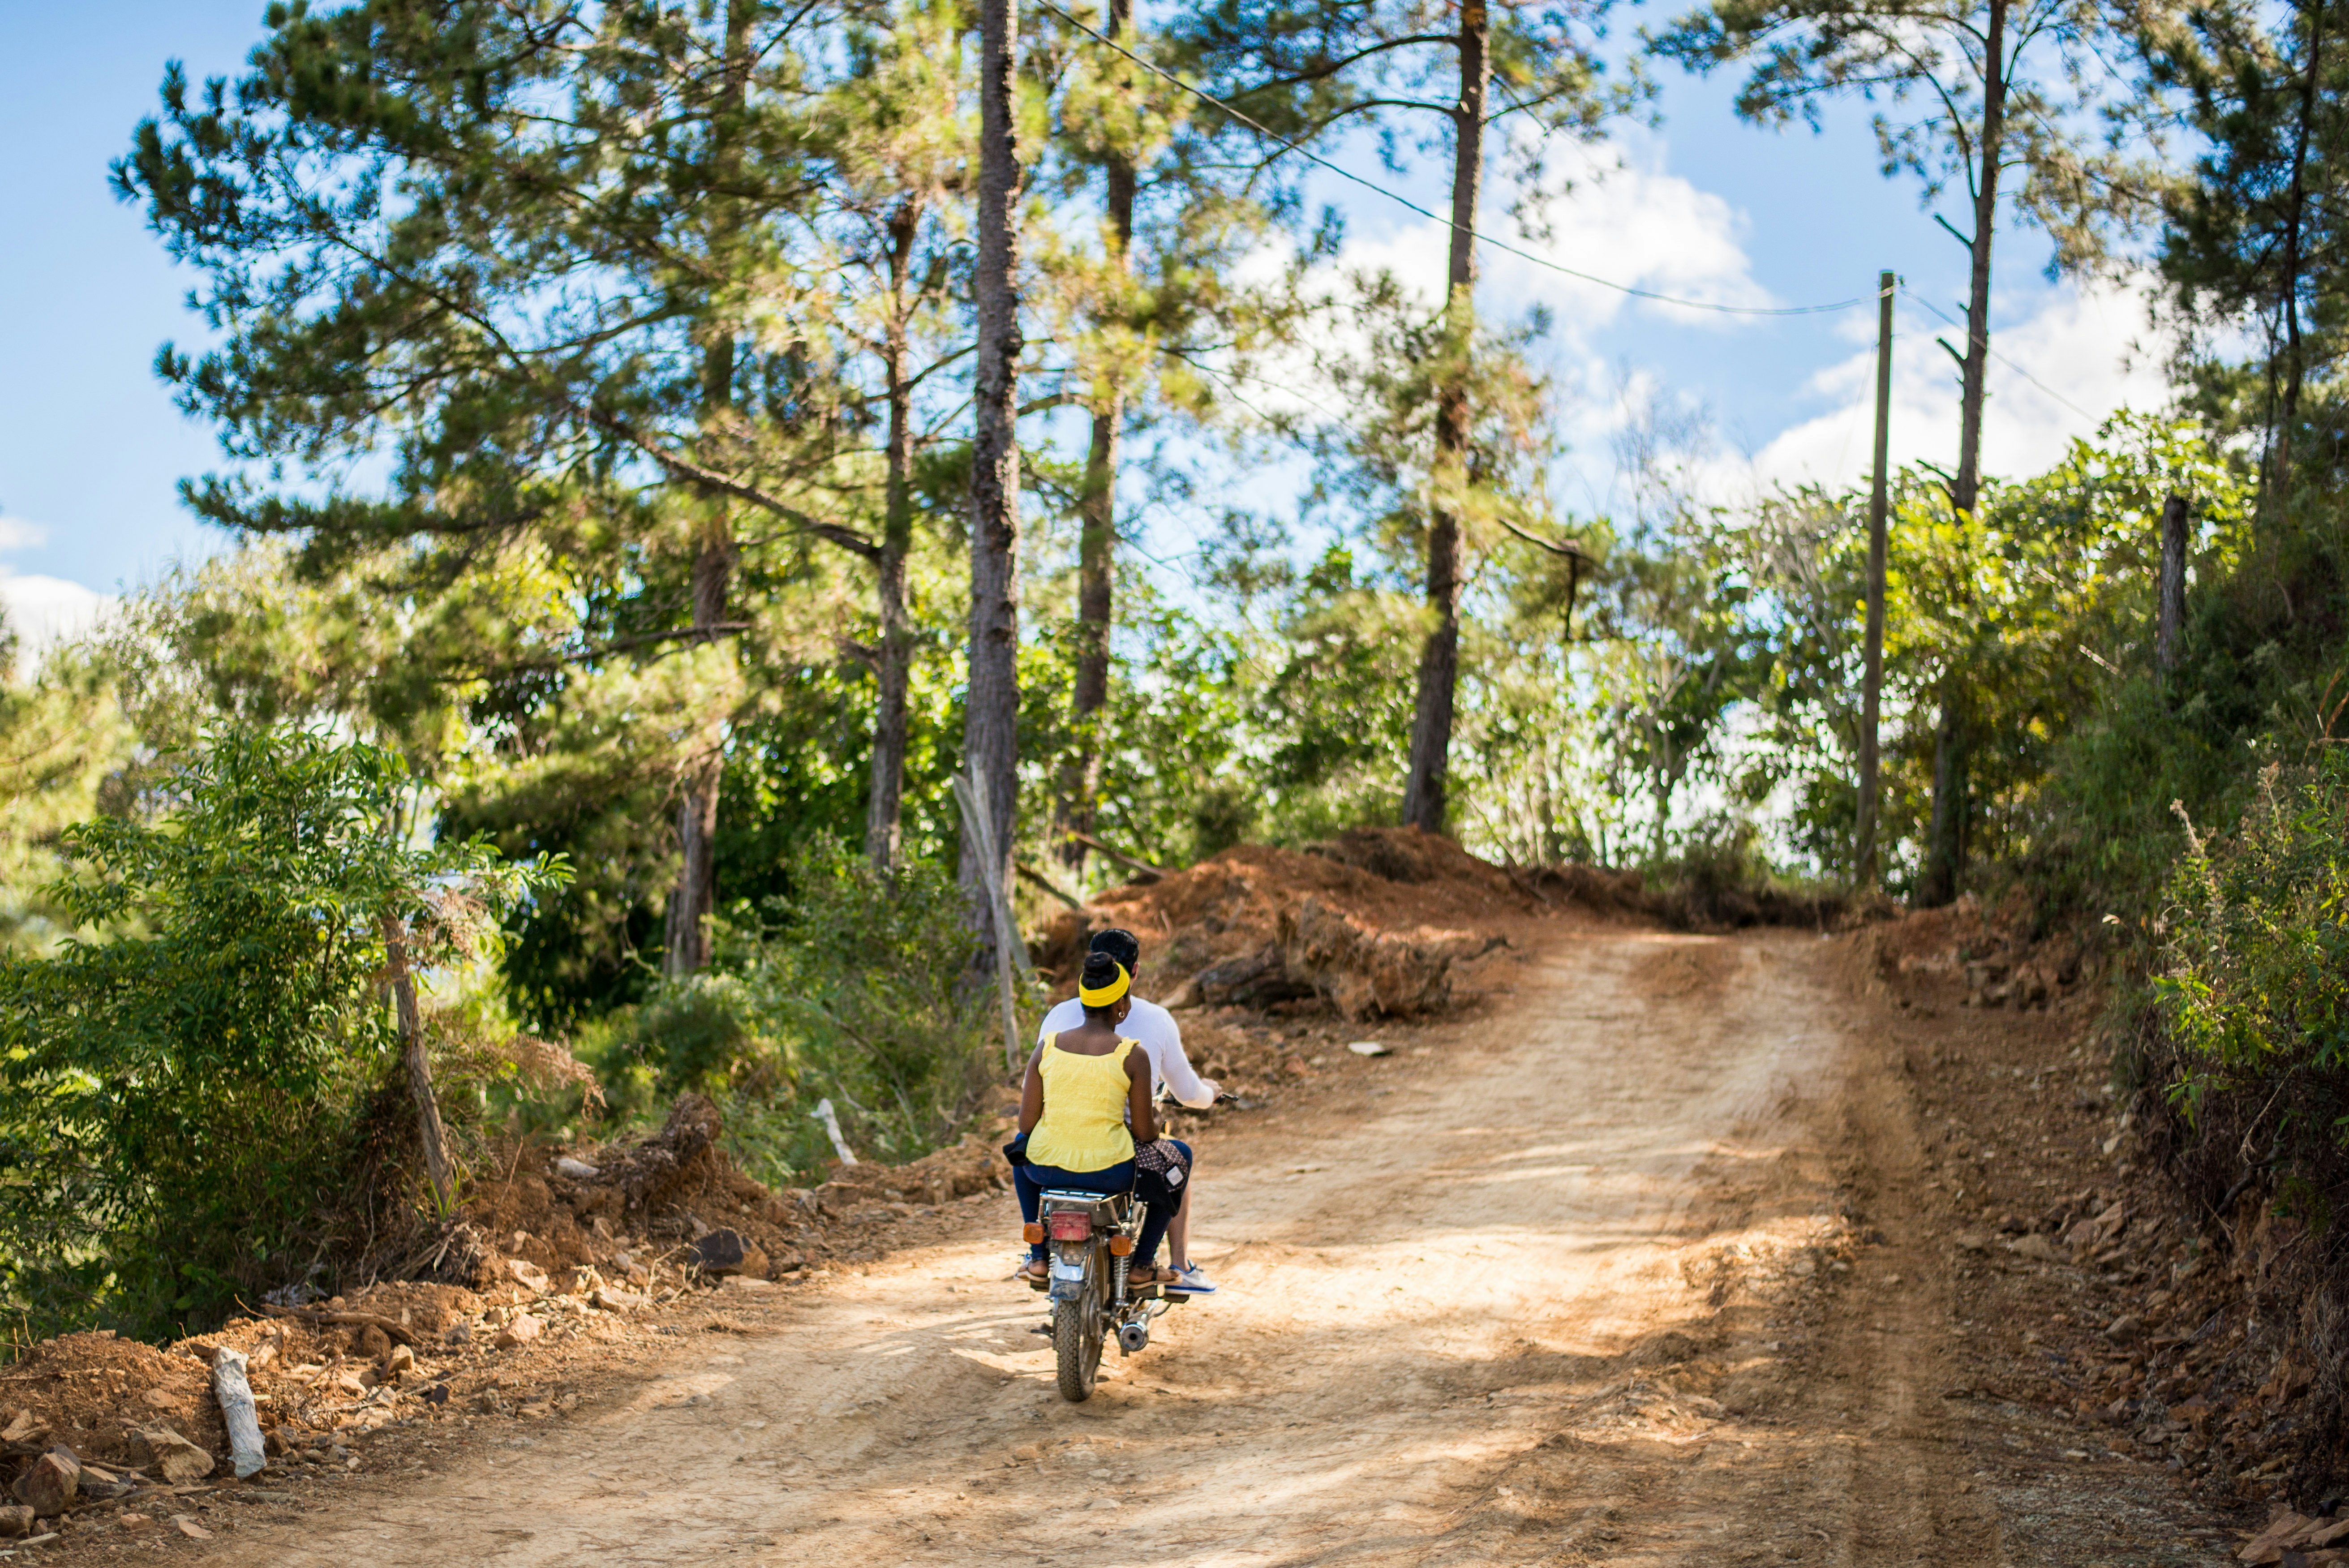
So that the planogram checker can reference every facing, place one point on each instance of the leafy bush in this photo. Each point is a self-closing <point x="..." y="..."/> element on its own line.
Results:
<point x="2255" y="994"/>
<point x="1723" y="880"/>
<point x="852" y="988"/>
<point x="193" y="1085"/>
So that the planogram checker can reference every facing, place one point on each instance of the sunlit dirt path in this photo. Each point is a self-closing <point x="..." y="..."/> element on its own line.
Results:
<point x="1531" y="1292"/>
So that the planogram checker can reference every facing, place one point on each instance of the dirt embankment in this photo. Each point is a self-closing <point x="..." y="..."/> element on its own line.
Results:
<point x="1378" y="922"/>
<point x="2095" y="1295"/>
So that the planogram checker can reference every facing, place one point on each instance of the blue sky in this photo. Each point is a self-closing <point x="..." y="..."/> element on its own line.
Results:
<point x="91" y="447"/>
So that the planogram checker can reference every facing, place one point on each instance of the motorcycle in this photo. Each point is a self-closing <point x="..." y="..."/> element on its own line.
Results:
<point x="1091" y="1241"/>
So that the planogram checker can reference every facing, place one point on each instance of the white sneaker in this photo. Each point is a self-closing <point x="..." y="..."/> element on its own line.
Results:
<point x="1192" y="1282"/>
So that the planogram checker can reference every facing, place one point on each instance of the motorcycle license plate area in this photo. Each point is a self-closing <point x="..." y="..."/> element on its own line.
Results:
<point x="1077" y="1227"/>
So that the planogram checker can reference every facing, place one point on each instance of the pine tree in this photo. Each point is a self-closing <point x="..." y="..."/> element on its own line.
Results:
<point x="542" y="266"/>
<point x="1133" y="316"/>
<point x="900" y="157"/>
<point x="2254" y="236"/>
<point x="1307" y="70"/>
<point x="1111" y="380"/>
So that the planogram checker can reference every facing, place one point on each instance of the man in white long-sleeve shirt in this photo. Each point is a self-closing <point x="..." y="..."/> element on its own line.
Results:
<point x="1154" y="1030"/>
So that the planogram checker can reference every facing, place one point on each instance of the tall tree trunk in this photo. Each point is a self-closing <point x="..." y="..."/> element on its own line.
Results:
<point x="1945" y="840"/>
<point x="2279" y="477"/>
<point x="990" y="723"/>
<point x="1945" y="849"/>
<point x="1439" y="658"/>
<point x="2170" y="605"/>
<point x="1967" y="485"/>
<point x="696" y="896"/>
<point x="892" y="657"/>
<point x="430" y="1132"/>
<point x="1080" y="783"/>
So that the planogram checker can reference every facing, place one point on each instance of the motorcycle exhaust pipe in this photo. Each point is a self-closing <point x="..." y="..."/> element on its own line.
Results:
<point x="1132" y="1336"/>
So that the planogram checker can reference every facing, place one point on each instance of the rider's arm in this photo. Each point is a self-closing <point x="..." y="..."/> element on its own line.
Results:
<point x="1137" y="1098"/>
<point x="1031" y="1094"/>
<point x="1182" y="1081"/>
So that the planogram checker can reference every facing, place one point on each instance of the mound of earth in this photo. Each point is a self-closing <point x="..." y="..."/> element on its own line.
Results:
<point x="1995" y="956"/>
<point x="1373" y="923"/>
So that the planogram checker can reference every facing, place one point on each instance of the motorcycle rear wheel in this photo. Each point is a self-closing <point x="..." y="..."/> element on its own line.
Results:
<point x="1076" y="1344"/>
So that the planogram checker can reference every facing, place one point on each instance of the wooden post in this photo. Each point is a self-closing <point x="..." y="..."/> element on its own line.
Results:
<point x="429" y="1131"/>
<point x="2169" y="616"/>
<point x="1872" y="682"/>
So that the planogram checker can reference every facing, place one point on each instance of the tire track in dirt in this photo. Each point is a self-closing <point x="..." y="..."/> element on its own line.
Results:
<point x="1534" y="1293"/>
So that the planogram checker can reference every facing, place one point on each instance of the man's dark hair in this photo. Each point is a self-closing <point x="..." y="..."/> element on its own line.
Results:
<point x="1119" y="945"/>
<point x="1100" y="970"/>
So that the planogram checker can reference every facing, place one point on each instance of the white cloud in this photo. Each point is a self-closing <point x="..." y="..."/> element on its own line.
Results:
<point x="43" y="611"/>
<point x="2058" y="374"/>
<point x="1624" y="220"/>
<point x="1628" y="220"/>
<point x="2072" y="356"/>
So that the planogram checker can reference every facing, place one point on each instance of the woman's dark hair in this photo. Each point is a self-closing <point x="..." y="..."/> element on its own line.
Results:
<point x="1100" y="970"/>
<point x="1119" y="945"/>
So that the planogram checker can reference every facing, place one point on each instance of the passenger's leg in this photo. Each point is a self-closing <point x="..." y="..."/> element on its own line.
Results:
<point x="1153" y="1229"/>
<point x="1169" y="1197"/>
<point x="1178" y="1233"/>
<point x="1030" y="1204"/>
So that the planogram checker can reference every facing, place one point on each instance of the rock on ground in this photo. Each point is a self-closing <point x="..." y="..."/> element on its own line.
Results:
<point x="724" y="1251"/>
<point x="50" y="1485"/>
<point x="169" y="1455"/>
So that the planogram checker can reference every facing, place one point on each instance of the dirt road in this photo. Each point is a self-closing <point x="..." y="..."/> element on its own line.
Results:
<point x="1579" y="1281"/>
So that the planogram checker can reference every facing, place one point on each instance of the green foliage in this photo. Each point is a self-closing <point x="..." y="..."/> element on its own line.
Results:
<point x="184" y="1083"/>
<point x="2255" y="991"/>
<point x="65" y="748"/>
<point x="2252" y="246"/>
<point x="2042" y="599"/>
<point x="851" y="988"/>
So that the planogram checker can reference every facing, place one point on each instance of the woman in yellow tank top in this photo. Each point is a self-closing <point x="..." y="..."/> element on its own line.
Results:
<point x="1086" y="1102"/>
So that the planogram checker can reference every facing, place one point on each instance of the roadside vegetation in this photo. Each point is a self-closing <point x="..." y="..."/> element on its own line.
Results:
<point x="614" y="716"/>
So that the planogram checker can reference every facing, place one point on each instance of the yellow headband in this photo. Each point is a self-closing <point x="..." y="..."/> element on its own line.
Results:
<point x="1101" y="996"/>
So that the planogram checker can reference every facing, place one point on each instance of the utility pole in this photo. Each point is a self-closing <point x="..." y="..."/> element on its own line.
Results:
<point x="1872" y="683"/>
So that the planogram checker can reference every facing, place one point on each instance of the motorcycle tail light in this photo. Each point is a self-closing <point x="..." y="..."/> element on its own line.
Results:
<point x="1031" y="1233"/>
<point x="1122" y="1246"/>
<point x="1071" y="1227"/>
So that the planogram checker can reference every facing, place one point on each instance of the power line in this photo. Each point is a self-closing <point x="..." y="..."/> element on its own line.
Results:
<point x="1994" y="354"/>
<point x="1302" y="151"/>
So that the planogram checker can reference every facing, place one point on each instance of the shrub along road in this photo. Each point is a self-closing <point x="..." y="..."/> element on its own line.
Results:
<point x="1638" y="1265"/>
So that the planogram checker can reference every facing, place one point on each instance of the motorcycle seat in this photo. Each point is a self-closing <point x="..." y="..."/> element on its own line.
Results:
<point x="1118" y="1207"/>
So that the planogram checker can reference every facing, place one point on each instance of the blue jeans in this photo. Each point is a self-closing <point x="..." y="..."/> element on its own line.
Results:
<point x="1030" y="1180"/>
